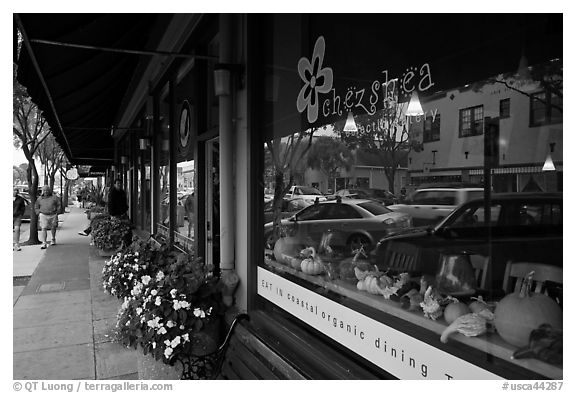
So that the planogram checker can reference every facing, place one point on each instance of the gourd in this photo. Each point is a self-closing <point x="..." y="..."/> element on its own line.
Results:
<point x="517" y="314"/>
<point x="285" y="247"/>
<point x="454" y="310"/>
<point x="312" y="265"/>
<point x="468" y="324"/>
<point x="371" y="283"/>
<point x="478" y="305"/>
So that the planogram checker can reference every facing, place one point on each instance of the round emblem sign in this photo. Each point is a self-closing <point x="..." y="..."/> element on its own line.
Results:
<point x="184" y="130"/>
<point x="72" y="174"/>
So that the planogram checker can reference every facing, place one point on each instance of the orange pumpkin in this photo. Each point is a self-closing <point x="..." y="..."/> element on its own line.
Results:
<point x="517" y="314"/>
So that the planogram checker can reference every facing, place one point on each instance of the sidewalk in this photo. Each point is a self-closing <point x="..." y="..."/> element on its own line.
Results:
<point x="62" y="319"/>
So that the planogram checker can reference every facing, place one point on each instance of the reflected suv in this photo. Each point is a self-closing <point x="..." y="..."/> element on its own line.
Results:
<point x="428" y="206"/>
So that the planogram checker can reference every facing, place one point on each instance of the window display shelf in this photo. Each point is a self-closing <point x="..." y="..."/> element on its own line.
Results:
<point x="490" y="343"/>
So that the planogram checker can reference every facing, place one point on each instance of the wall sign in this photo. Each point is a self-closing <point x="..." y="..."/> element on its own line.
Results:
<point x="398" y="353"/>
<point x="185" y="121"/>
<point x="319" y="80"/>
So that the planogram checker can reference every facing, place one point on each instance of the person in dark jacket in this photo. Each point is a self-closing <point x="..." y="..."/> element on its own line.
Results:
<point x="117" y="202"/>
<point x="18" y="208"/>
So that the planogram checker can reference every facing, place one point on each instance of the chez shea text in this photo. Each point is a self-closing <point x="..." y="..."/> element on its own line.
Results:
<point x="333" y="322"/>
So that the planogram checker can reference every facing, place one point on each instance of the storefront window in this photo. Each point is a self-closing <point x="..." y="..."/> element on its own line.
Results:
<point x="360" y="272"/>
<point x="186" y="93"/>
<point x="163" y="223"/>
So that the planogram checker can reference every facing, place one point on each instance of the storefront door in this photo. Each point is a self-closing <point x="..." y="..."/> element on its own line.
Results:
<point x="212" y="204"/>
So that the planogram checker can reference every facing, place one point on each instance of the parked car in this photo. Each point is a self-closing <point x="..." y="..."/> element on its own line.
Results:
<point x="428" y="206"/>
<point x="289" y="208"/>
<point x="305" y="192"/>
<point x="524" y="227"/>
<point x="382" y="196"/>
<point x="357" y="222"/>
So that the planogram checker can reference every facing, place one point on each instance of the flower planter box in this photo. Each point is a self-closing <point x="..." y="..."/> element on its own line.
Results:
<point x="205" y="342"/>
<point x="150" y="368"/>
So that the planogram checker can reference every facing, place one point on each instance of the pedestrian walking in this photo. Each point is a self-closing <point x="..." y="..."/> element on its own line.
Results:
<point x="47" y="207"/>
<point x="18" y="208"/>
<point x="117" y="202"/>
<point x="189" y="209"/>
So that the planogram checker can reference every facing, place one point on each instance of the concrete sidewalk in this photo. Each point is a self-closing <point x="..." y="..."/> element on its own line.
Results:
<point x="62" y="319"/>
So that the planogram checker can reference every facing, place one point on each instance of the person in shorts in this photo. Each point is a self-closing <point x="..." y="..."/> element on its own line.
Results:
<point x="47" y="207"/>
<point x="18" y="208"/>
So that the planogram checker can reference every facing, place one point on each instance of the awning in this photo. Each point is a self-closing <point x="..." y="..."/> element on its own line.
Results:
<point x="80" y="90"/>
<point x="519" y="169"/>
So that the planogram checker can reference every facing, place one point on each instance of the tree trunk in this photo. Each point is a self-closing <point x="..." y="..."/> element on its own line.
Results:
<point x="390" y="175"/>
<point x="279" y="192"/>
<point x="32" y="188"/>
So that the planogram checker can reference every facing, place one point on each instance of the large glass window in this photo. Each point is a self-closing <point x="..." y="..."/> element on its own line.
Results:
<point x="333" y="109"/>
<point x="163" y="224"/>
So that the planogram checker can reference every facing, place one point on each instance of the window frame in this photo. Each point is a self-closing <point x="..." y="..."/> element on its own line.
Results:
<point x="505" y="114"/>
<point x="474" y="129"/>
<point x="548" y="109"/>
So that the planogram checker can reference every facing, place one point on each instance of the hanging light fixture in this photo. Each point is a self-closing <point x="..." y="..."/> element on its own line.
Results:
<point x="414" y="107"/>
<point x="350" y="126"/>
<point x="549" y="164"/>
<point x="124" y="160"/>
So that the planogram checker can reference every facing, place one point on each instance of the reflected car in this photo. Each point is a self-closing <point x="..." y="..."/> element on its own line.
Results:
<point x="289" y="208"/>
<point x="428" y="206"/>
<point x="382" y="196"/>
<point x="305" y="192"/>
<point x="522" y="227"/>
<point x="355" y="223"/>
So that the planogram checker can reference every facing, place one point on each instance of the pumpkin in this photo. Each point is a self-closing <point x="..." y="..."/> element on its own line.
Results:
<point x="455" y="310"/>
<point x="286" y="247"/>
<point x="517" y="314"/>
<point x="312" y="265"/>
<point x="295" y="263"/>
<point x="478" y="305"/>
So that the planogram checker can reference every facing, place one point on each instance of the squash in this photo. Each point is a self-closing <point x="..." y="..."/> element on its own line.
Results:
<point x="478" y="305"/>
<point x="469" y="325"/>
<point x="295" y="263"/>
<point x="312" y="265"/>
<point x="372" y="285"/>
<point x="519" y="313"/>
<point x="287" y="247"/>
<point x="455" y="310"/>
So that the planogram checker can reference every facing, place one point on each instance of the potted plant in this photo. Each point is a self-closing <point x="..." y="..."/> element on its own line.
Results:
<point x="126" y="267"/>
<point x="110" y="234"/>
<point x="176" y="312"/>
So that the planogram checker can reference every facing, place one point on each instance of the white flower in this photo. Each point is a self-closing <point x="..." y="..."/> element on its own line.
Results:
<point x="175" y="342"/>
<point x="135" y="259"/>
<point x="136" y="253"/>
<point x="154" y="344"/>
<point x="167" y="343"/>
<point x="182" y="327"/>
<point x="158" y="301"/>
<point x="173" y="292"/>
<point x="130" y="276"/>
<point x="159" y="276"/>
<point x="153" y="292"/>
<point x="199" y="313"/>
<point x="154" y="323"/>
<point x="138" y="311"/>
<point x="167" y="352"/>
<point x="176" y="305"/>
<point x="170" y="324"/>
<point x="162" y="330"/>
<point x="146" y="279"/>
<point x="184" y="304"/>
<point x="185" y="337"/>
